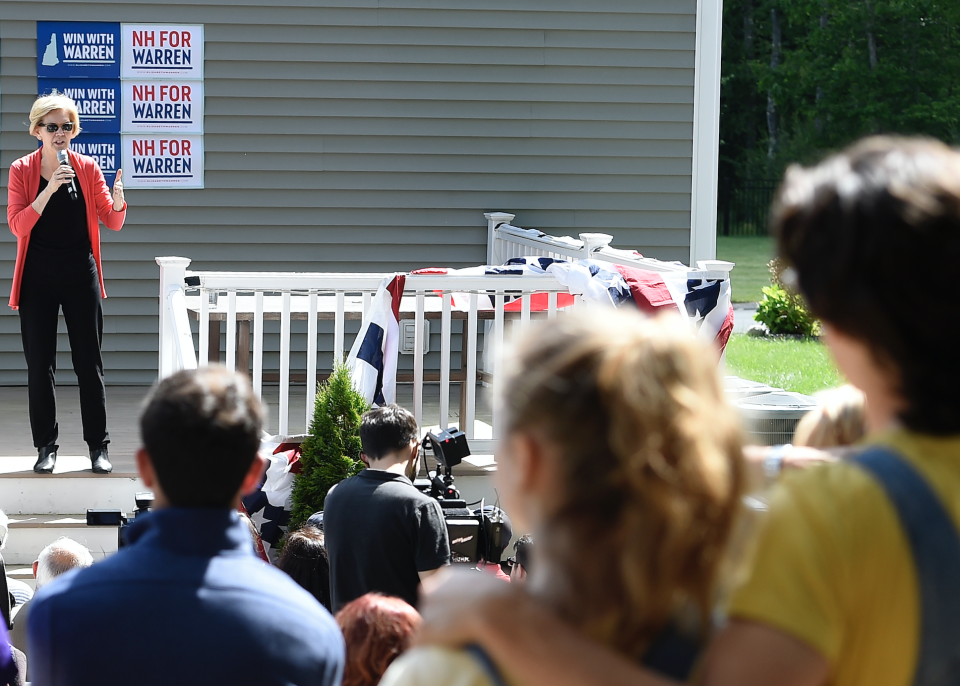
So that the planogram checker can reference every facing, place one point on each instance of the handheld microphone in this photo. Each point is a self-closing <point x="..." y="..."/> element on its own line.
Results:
<point x="64" y="158"/>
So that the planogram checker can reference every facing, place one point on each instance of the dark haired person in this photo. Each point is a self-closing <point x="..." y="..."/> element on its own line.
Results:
<point x="522" y="551"/>
<point x="382" y="534"/>
<point x="187" y="601"/>
<point x="855" y="580"/>
<point x="304" y="558"/>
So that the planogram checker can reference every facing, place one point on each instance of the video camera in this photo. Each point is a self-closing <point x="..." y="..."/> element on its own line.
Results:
<point x="117" y="518"/>
<point x="469" y="530"/>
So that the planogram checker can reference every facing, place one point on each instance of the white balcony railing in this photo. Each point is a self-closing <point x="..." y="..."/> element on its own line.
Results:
<point x="247" y="299"/>
<point x="243" y="301"/>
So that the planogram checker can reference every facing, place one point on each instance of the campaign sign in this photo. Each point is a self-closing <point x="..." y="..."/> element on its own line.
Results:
<point x="104" y="148"/>
<point x="162" y="161"/>
<point x="72" y="49"/>
<point x="162" y="105"/>
<point x="158" y="50"/>
<point x="98" y="101"/>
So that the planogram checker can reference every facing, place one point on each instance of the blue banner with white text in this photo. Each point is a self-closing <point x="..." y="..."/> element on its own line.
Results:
<point x="78" y="49"/>
<point x="98" y="101"/>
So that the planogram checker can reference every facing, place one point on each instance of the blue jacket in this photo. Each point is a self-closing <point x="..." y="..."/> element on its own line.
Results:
<point x="187" y="602"/>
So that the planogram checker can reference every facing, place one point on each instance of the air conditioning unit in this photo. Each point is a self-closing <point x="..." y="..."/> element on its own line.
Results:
<point x="735" y="388"/>
<point x="408" y="336"/>
<point x="771" y="418"/>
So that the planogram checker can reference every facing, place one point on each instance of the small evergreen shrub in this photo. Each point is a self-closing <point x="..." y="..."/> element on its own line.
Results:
<point x="332" y="452"/>
<point x="783" y="311"/>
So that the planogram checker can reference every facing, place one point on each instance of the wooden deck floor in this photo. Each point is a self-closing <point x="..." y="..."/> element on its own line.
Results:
<point x="123" y="409"/>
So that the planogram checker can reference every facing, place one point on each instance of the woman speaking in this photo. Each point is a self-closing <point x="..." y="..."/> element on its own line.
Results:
<point x="56" y="202"/>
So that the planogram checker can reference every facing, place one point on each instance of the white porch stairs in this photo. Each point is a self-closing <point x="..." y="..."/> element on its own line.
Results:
<point x="44" y="507"/>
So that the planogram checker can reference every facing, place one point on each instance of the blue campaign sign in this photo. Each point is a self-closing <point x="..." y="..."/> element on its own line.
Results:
<point x="72" y="49"/>
<point x="104" y="148"/>
<point x="98" y="101"/>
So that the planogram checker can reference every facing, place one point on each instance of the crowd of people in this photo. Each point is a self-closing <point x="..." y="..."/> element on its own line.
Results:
<point x="623" y="461"/>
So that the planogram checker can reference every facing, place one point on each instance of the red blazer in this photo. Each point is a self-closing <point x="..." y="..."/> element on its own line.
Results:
<point x="22" y="191"/>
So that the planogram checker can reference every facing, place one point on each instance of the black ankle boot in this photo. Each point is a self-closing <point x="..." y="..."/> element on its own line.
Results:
<point x="100" y="461"/>
<point x="46" y="460"/>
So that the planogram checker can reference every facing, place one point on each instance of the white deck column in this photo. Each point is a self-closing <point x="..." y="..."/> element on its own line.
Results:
<point x="172" y="272"/>
<point x="494" y="219"/>
<point x="706" y="132"/>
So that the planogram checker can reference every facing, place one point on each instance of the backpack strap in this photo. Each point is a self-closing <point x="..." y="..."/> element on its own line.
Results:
<point x="935" y="544"/>
<point x="486" y="664"/>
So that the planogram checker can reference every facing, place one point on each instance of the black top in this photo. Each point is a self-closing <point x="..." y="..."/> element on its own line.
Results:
<point x="62" y="228"/>
<point x="380" y="531"/>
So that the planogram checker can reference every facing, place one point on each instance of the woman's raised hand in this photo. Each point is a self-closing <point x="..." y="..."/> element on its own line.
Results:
<point x="118" y="192"/>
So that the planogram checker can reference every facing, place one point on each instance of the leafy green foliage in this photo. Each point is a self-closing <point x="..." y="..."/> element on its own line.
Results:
<point x="845" y="70"/>
<point x="783" y="311"/>
<point x="332" y="452"/>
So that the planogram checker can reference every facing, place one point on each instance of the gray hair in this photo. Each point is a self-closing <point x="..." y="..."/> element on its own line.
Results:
<point x="61" y="556"/>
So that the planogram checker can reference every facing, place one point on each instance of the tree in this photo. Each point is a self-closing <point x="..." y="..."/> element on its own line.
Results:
<point x="830" y="72"/>
<point x="332" y="452"/>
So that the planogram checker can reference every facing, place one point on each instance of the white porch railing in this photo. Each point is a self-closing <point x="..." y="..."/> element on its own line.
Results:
<point x="505" y="241"/>
<point x="250" y="298"/>
<point x="243" y="301"/>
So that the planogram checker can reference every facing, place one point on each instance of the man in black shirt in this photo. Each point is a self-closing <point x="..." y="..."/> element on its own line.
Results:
<point x="382" y="534"/>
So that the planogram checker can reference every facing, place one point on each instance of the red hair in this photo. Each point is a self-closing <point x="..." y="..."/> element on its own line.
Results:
<point x="376" y="628"/>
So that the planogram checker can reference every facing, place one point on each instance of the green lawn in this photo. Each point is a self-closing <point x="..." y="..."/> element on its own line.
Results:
<point x="751" y="254"/>
<point x="804" y="366"/>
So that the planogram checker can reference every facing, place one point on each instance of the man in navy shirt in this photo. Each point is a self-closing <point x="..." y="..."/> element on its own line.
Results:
<point x="187" y="602"/>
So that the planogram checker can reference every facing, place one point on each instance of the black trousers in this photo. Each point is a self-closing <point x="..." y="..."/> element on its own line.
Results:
<point x="70" y="281"/>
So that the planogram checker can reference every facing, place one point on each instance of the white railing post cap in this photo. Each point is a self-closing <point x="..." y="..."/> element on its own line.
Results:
<point x="594" y="241"/>
<point x="173" y="261"/>
<point x="499" y="216"/>
<point x="715" y="265"/>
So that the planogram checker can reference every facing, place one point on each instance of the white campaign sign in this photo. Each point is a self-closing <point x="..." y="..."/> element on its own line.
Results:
<point x="161" y="50"/>
<point x="163" y="161"/>
<point x="162" y="105"/>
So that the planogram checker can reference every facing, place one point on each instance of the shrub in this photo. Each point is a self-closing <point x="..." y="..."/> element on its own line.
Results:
<point x="783" y="311"/>
<point x="332" y="452"/>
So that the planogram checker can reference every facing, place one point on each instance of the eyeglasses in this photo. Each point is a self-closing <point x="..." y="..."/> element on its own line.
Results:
<point x="53" y="128"/>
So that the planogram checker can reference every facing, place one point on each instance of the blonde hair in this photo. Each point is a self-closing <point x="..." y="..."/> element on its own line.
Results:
<point x="46" y="104"/>
<point x="651" y="466"/>
<point x="836" y="421"/>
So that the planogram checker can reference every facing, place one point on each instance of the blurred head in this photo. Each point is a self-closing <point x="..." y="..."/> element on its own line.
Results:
<point x="304" y="558"/>
<point x="201" y="431"/>
<point x="388" y="432"/>
<point x="868" y="232"/>
<point x="376" y="629"/>
<point x="836" y="421"/>
<point x="60" y="556"/>
<point x="624" y="460"/>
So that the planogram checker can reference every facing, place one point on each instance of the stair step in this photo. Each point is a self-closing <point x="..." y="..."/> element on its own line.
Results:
<point x="72" y="487"/>
<point x="31" y="533"/>
<point x="22" y="573"/>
